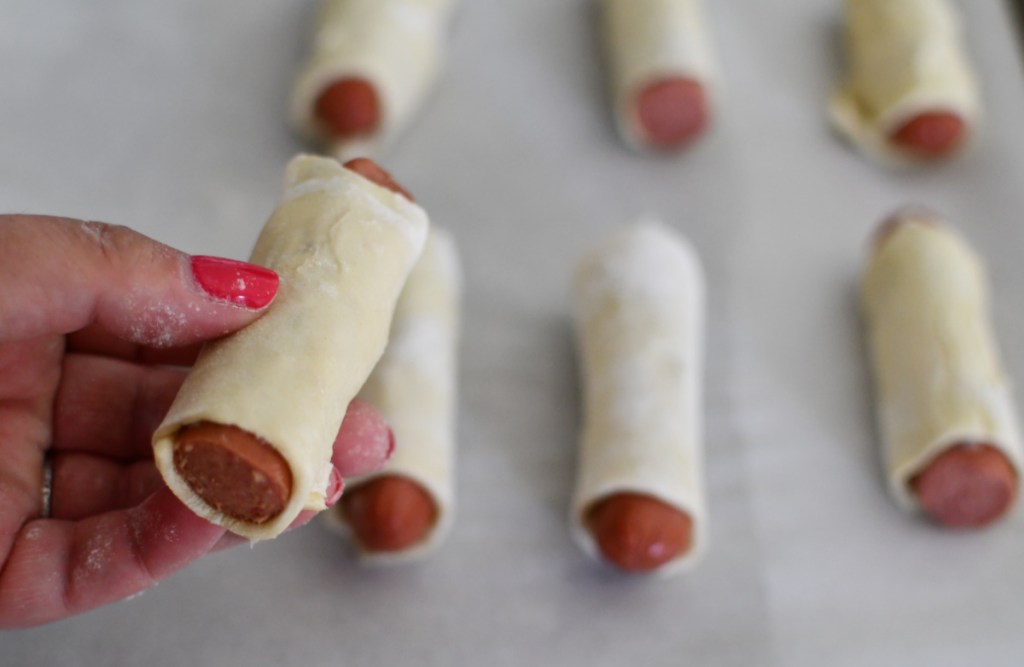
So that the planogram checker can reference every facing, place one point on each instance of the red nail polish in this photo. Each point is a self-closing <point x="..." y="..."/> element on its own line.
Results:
<point x="334" y="487"/>
<point x="240" y="283"/>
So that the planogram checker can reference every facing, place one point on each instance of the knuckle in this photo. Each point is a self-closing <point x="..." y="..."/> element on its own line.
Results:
<point x="119" y="245"/>
<point x="112" y="241"/>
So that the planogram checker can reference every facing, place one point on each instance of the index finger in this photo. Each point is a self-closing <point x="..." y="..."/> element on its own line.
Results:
<point x="72" y="274"/>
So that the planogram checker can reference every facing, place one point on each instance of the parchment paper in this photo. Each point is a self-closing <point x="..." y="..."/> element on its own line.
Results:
<point x="170" y="118"/>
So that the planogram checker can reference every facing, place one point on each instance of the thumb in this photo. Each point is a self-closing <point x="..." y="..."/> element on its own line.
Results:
<point x="61" y="275"/>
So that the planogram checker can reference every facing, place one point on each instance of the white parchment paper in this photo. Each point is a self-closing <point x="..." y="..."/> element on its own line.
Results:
<point x="170" y="118"/>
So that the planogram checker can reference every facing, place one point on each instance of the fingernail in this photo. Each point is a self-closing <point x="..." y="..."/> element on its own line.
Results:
<point x="240" y="283"/>
<point x="334" y="487"/>
<point x="391" y="444"/>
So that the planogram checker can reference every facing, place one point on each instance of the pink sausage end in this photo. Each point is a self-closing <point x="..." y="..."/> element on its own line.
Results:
<point x="889" y="226"/>
<point x="638" y="533"/>
<point x="371" y="171"/>
<point x="234" y="471"/>
<point x="930" y="136"/>
<point x="349" y="107"/>
<point x="671" y="112"/>
<point x="967" y="486"/>
<point x="389" y="513"/>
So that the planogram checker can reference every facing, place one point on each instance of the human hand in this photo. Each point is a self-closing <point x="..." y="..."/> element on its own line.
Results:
<point x="96" y="325"/>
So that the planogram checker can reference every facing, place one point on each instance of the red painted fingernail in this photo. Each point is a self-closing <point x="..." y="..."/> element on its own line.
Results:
<point x="391" y="444"/>
<point x="334" y="487"/>
<point x="240" y="283"/>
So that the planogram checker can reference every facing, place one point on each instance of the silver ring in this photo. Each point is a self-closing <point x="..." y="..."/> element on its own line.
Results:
<point x="47" y="490"/>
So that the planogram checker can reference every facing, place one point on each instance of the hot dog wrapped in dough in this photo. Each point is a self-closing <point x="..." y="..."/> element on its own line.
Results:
<point x="662" y="70"/>
<point x="275" y="392"/>
<point x="949" y="428"/>
<point x="372" y="64"/>
<point x="639" y="310"/>
<point x="910" y="95"/>
<point x="406" y="510"/>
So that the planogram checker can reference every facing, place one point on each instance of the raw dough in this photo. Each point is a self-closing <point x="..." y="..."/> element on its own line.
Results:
<point x="648" y="40"/>
<point x="343" y="247"/>
<point x="414" y="388"/>
<point x="939" y="381"/>
<point x="397" y="45"/>
<point x="639" y="306"/>
<point x="905" y="57"/>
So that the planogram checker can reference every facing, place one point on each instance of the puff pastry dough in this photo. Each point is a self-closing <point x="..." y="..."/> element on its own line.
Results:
<point x="342" y="247"/>
<point x="647" y="40"/>
<point x="414" y="389"/>
<point x="939" y="381"/>
<point x="639" y="311"/>
<point x="395" y="44"/>
<point x="905" y="57"/>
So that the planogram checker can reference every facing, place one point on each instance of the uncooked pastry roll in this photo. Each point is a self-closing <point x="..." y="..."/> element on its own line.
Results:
<point x="414" y="389"/>
<point x="343" y="247"/>
<point x="662" y="70"/>
<point x="395" y="45"/>
<point x="639" y="312"/>
<point x="906" y="59"/>
<point x="939" y="382"/>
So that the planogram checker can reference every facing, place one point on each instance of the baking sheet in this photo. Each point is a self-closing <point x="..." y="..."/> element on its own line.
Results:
<point x="170" y="118"/>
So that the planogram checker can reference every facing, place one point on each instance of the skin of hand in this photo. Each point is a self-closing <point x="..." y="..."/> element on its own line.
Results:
<point x="98" y="325"/>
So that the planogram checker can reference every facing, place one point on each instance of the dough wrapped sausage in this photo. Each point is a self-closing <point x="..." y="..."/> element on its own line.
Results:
<point x="910" y="93"/>
<point x="939" y="382"/>
<point x="662" y="70"/>
<point x="639" y="312"/>
<point x="414" y="389"/>
<point x="391" y="48"/>
<point x="343" y="247"/>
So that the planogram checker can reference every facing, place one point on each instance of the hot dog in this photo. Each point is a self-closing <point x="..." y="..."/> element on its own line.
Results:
<point x="349" y="108"/>
<point x="966" y="486"/>
<point x="371" y="171"/>
<point x="638" y="533"/>
<point x="389" y="513"/>
<point x="405" y="511"/>
<point x="233" y="471"/>
<point x="661" y="68"/>
<point x="638" y="307"/>
<point x="671" y="112"/>
<point x="371" y="65"/>
<point x="245" y="443"/>
<point x="910" y="95"/>
<point x="930" y="135"/>
<point x="951" y="441"/>
<point x="919" y="214"/>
